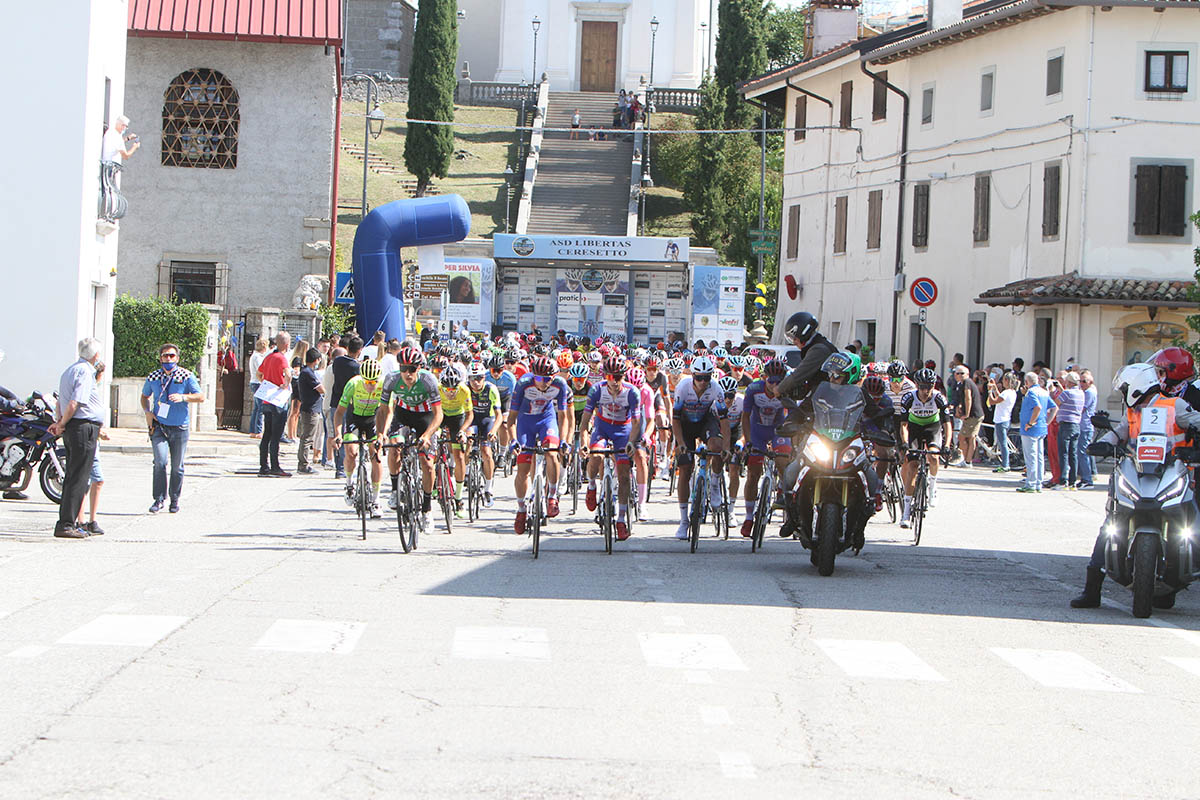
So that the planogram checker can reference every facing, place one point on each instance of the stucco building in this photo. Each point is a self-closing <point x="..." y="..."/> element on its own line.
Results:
<point x="379" y="36"/>
<point x="237" y="112"/>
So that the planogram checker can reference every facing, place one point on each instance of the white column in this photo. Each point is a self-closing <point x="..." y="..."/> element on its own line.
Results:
<point x="513" y="46"/>
<point x="635" y="45"/>
<point x="561" y="59"/>
<point x="686" y="62"/>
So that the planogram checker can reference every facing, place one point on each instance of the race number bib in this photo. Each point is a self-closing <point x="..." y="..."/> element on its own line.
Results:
<point x="1152" y="440"/>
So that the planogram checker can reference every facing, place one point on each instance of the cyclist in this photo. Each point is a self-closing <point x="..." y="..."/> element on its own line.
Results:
<point x="411" y="399"/>
<point x="636" y="377"/>
<point x="879" y="418"/>
<point x="660" y="382"/>
<point x="762" y="412"/>
<point x="733" y="409"/>
<point x="537" y="416"/>
<point x="698" y="413"/>
<point x="564" y="361"/>
<point x="924" y="420"/>
<point x="457" y="415"/>
<point x="619" y="422"/>
<point x="356" y="413"/>
<point x="485" y="411"/>
<point x="737" y="371"/>
<point x="504" y="381"/>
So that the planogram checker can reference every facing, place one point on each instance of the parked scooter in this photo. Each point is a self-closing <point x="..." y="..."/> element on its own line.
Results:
<point x="26" y="444"/>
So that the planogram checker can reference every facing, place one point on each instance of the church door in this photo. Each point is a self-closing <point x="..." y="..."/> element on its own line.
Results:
<point x="598" y="57"/>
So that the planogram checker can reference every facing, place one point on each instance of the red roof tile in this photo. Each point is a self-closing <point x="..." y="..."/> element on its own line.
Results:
<point x="315" y="22"/>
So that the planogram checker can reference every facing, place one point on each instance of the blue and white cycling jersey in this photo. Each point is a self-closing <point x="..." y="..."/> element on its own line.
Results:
<point x="691" y="406"/>
<point x="765" y="411"/>
<point x="504" y="384"/>
<point x="616" y="409"/>
<point x="540" y="399"/>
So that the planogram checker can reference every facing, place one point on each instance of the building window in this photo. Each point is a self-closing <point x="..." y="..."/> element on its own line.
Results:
<point x="1160" y="200"/>
<point x="1043" y="338"/>
<point x="983" y="207"/>
<point x="1166" y="71"/>
<point x="1054" y="74"/>
<point x="874" y="218"/>
<point x="841" y="207"/>
<point x="920" y="233"/>
<point x="879" y="98"/>
<point x="186" y="281"/>
<point x="793" y="234"/>
<point x="927" y="104"/>
<point x="987" y="90"/>
<point x="975" y="330"/>
<point x="200" y="121"/>
<point x="847" y="103"/>
<point x="801" y="119"/>
<point x="1051" y="186"/>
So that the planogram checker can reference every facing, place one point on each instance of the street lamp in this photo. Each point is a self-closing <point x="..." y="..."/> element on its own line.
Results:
<point x="647" y="183"/>
<point x="537" y="23"/>
<point x="508" y="176"/>
<point x="372" y="127"/>
<point x="653" y="36"/>
<point x="704" y="35"/>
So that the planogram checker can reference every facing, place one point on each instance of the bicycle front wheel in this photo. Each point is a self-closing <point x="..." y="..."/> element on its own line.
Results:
<point x="697" y="511"/>
<point x="606" y="514"/>
<point x="919" y="504"/>
<point x="362" y="490"/>
<point x="535" y="518"/>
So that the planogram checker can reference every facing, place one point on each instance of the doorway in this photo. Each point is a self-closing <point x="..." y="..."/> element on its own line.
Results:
<point x="598" y="57"/>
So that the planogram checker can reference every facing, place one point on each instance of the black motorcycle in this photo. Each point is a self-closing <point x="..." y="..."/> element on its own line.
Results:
<point x="26" y="444"/>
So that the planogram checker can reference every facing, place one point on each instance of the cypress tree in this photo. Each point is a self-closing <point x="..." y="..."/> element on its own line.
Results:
<point x="741" y="54"/>
<point x="431" y="83"/>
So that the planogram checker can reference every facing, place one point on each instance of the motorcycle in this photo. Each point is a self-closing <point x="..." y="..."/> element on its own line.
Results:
<point x="1150" y="518"/>
<point x="26" y="444"/>
<point x="830" y="497"/>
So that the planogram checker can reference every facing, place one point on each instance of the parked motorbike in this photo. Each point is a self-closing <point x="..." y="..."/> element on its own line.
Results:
<point x="26" y="444"/>
<point x="1150" y="516"/>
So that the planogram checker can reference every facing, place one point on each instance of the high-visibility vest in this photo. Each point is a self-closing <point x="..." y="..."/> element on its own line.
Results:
<point x="1175" y="434"/>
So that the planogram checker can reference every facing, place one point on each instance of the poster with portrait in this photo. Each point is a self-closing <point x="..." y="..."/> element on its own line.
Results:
<point x="464" y="292"/>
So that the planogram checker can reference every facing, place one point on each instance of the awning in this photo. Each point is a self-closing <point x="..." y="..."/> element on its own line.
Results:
<point x="1072" y="289"/>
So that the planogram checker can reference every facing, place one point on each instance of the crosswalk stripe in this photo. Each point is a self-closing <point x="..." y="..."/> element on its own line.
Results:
<point x="1062" y="669"/>
<point x="123" y="630"/>
<point x="877" y="659"/>
<point x="695" y="651"/>
<point x="311" y="636"/>
<point x="500" y="643"/>
<point x="1192" y="665"/>
<point x="714" y="715"/>
<point x="29" y="651"/>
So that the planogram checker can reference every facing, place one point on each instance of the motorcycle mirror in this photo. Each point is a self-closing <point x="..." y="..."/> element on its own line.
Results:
<point x="1102" y="421"/>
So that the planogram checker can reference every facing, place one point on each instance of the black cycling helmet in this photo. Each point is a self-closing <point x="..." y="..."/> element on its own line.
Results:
<point x="925" y="377"/>
<point x="801" y="325"/>
<point x="896" y="370"/>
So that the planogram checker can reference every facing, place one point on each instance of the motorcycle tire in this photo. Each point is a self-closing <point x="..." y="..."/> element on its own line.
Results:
<point x="1164" y="601"/>
<point x="50" y="479"/>
<point x="1145" y="567"/>
<point x="829" y="530"/>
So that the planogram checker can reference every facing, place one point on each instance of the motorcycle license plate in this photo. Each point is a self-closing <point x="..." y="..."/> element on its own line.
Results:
<point x="1152" y="447"/>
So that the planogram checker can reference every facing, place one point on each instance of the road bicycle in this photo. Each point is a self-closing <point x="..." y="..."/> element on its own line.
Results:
<point x="573" y="467"/>
<point x="443" y="479"/>
<point x="474" y="479"/>
<point x="699" y="499"/>
<point x="893" y="489"/>
<point x="920" y="501"/>
<point x="536" y="507"/>
<point x="361" y="484"/>
<point x="606" y="499"/>
<point x="768" y="485"/>
<point x="409" y="492"/>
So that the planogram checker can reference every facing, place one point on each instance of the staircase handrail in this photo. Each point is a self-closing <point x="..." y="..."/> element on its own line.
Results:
<point x="531" y="160"/>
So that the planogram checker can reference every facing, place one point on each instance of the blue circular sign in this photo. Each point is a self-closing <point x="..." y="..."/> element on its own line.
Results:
<point x="923" y="291"/>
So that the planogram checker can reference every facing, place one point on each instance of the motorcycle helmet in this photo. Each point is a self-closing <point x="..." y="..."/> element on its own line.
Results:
<point x="1134" y="382"/>
<point x="1175" y="365"/>
<point x="800" y="326"/>
<point x="924" y="377"/>
<point x="848" y="365"/>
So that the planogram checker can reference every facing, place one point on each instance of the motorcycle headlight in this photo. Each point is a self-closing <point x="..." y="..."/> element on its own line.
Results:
<point x="1128" y="488"/>
<point x="816" y="450"/>
<point x="1174" y="490"/>
<point x="851" y="455"/>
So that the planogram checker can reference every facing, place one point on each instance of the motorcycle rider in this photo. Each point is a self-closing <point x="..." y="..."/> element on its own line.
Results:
<point x="1139" y="387"/>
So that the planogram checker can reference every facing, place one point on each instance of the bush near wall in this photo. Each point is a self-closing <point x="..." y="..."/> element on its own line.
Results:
<point x="141" y="326"/>
<point x="336" y="318"/>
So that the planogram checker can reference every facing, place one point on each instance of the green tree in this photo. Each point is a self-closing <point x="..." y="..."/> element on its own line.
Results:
<point x="431" y="82"/>
<point x="785" y="35"/>
<point x="1193" y="320"/>
<point x="741" y="54"/>
<point x="141" y="326"/>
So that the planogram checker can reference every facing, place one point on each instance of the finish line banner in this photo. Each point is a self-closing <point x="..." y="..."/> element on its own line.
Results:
<point x="590" y="248"/>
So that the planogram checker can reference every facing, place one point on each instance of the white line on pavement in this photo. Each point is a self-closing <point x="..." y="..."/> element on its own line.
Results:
<point x="873" y="659"/>
<point x="689" y="651"/>
<point x="714" y="715"/>
<point x="311" y="636"/>
<point x="29" y="651"/>
<point x="736" y="765"/>
<point x="1192" y="665"/>
<point x="123" y="630"/>
<point x="1062" y="669"/>
<point x="697" y="676"/>
<point x="501" y="643"/>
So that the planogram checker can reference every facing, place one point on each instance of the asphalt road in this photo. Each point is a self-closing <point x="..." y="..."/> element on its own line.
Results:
<point x="253" y="646"/>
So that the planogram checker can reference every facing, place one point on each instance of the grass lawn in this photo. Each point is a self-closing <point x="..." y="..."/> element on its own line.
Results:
<point x="666" y="213"/>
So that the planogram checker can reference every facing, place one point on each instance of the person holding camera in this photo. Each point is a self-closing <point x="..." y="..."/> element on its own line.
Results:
<point x="119" y="143"/>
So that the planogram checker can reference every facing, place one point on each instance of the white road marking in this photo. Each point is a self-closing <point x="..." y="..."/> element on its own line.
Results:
<point x="1062" y="669"/>
<point x="673" y="620"/>
<point x="29" y="651"/>
<point x="714" y="715"/>
<point x="689" y="651"/>
<point x="1192" y="665"/>
<point x="662" y="598"/>
<point x="874" y="659"/>
<point x="697" y="676"/>
<point x="501" y="643"/>
<point x="123" y="630"/>
<point x="736" y="765"/>
<point x="311" y="636"/>
<point x="654" y="581"/>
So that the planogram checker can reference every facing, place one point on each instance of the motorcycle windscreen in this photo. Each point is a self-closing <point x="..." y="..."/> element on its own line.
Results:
<point x="837" y="410"/>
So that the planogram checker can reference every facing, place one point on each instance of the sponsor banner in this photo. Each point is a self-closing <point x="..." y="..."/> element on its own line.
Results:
<point x="591" y="248"/>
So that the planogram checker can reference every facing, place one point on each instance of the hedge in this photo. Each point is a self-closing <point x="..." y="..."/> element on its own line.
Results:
<point x="141" y="326"/>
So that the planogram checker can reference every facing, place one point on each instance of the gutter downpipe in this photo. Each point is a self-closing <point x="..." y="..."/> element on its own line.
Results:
<point x="828" y="158"/>
<point x="1083" y="191"/>
<point x="862" y="65"/>
<point x="333" y="203"/>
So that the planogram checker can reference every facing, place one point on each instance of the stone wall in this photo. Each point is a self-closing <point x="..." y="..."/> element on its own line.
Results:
<point x="391" y="90"/>
<point x="379" y="36"/>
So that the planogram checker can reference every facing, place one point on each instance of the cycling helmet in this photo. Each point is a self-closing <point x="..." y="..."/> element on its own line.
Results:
<point x="924" y="377"/>
<point x="595" y="357"/>
<point x="542" y="367"/>
<point x="674" y="366"/>
<point x="776" y="367"/>
<point x="896" y="370"/>
<point x="737" y="361"/>
<point x="440" y="363"/>
<point x="728" y="384"/>
<point x="369" y="369"/>
<point x="636" y="376"/>
<point x="651" y="361"/>
<point x="450" y="378"/>
<point x="579" y="371"/>
<point x="845" y="364"/>
<point x="1176" y="363"/>
<point x="614" y="365"/>
<point x="1134" y="382"/>
<point x="410" y="357"/>
<point x="721" y="353"/>
<point x="476" y="370"/>
<point x="541" y="350"/>
<point x="877" y="368"/>
<point x="873" y="385"/>
<point x="801" y="325"/>
<point x="496" y="362"/>
<point x="565" y="360"/>
<point x="702" y="365"/>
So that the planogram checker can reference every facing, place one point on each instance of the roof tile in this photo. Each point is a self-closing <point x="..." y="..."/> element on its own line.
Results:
<point x="1073" y="288"/>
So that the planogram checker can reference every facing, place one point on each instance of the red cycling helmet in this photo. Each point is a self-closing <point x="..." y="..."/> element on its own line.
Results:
<point x="776" y="367"/>
<point x="614" y="365"/>
<point x="542" y="366"/>
<point x="410" y="357"/>
<point x="651" y="361"/>
<point x="1174" y="364"/>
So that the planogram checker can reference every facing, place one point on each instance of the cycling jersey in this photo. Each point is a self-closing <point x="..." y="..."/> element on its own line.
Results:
<point x="579" y="395"/>
<point x="734" y="409"/>
<point x="693" y="407"/>
<point x="765" y="411"/>
<point x="542" y="400"/>
<point x="616" y="408"/>
<point x="485" y="402"/>
<point x="455" y="402"/>
<point x="423" y="395"/>
<point x="360" y="399"/>
<point x="896" y="395"/>
<point x="925" y="412"/>
<point x="504" y="384"/>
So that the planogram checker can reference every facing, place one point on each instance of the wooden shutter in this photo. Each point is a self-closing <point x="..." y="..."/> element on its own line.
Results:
<point x="840" y="207"/>
<point x="874" y="218"/>
<point x="1172" y="213"/>
<point x="983" y="208"/>
<point x="793" y="234"/>
<point x="1145" y="200"/>
<point x="1054" y="76"/>
<point x="847" y="102"/>
<point x="879" y="99"/>
<point x="801" y="118"/>
<point x="1051" y="181"/>
<point x="920" y="234"/>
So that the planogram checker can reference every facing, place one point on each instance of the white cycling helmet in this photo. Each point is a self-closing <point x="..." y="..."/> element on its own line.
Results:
<point x="703" y="366"/>
<point x="1134" y="381"/>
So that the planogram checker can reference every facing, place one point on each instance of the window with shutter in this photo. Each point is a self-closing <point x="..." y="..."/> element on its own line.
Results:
<point x="1054" y="75"/>
<point x="983" y="210"/>
<point x="801" y="120"/>
<point x="1051" y="181"/>
<point x="920" y="234"/>
<point x="793" y="235"/>
<point x="840" y="208"/>
<point x="879" y="98"/>
<point x="1172" y="210"/>
<point x="927" y="105"/>
<point x="847" y="103"/>
<point x="1145" y="199"/>
<point x="874" y="218"/>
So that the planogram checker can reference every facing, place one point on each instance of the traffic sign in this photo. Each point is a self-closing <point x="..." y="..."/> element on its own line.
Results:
<point x="923" y="291"/>
<point x="764" y="233"/>
<point x="921" y="317"/>
<point x="343" y="288"/>
<point x="765" y="246"/>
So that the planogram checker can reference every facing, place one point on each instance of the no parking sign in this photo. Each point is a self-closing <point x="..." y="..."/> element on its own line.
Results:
<point x="923" y="292"/>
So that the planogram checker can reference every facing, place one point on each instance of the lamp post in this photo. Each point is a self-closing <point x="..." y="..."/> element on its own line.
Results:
<point x="508" y="176"/>
<point x="537" y="23"/>
<point x="372" y="127"/>
<point x="647" y="183"/>
<point x="704" y="35"/>
<point x="653" y="37"/>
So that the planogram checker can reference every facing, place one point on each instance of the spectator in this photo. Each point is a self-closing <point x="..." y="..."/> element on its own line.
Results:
<point x="1002" y="398"/>
<point x="311" y="390"/>
<point x="80" y="416"/>
<point x="119" y="143"/>
<point x="335" y="340"/>
<point x="276" y="394"/>
<point x="1070" y="399"/>
<point x="464" y="331"/>
<point x="95" y="479"/>
<point x="323" y="347"/>
<point x="1036" y="411"/>
<point x="618" y="116"/>
<point x="575" y="120"/>
<point x="1051" y="442"/>
<point x="969" y="412"/>
<point x="432" y="343"/>
<point x="256" y="419"/>
<point x="623" y="107"/>
<point x="1087" y="469"/>
<point x="388" y="364"/>
<point x="1018" y="368"/>
<point x="327" y="413"/>
<point x="297" y="364"/>
<point x="426" y="333"/>
<point x="165" y="397"/>
<point x="375" y="348"/>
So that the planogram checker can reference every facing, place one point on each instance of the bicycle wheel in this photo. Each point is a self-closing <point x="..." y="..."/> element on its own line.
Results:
<point x="697" y="513"/>
<point x="404" y="516"/>
<point x="892" y="493"/>
<point x="918" y="507"/>
<point x="606" y="513"/>
<point x="535" y="515"/>
<point x="362" y="501"/>
<point x="762" y="510"/>
<point x="445" y="493"/>
<point x="723" y="515"/>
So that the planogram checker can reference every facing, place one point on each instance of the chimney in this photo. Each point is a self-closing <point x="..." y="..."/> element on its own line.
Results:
<point x="943" y="13"/>
<point x="834" y="22"/>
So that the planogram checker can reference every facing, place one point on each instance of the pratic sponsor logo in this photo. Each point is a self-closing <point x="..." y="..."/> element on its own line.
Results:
<point x="594" y="248"/>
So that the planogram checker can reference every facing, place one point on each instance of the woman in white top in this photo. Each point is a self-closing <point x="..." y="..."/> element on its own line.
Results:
<point x="256" y="359"/>
<point x="1002" y="399"/>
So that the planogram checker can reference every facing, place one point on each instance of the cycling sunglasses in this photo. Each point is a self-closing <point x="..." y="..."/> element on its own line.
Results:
<point x="775" y="380"/>
<point x="612" y="376"/>
<point x="540" y="378"/>
<point x="408" y="370"/>
<point x="705" y="378"/>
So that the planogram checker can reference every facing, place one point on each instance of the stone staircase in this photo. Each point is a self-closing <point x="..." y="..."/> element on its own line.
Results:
<point x="582" y="186"/>
<point x="381" y="166"/>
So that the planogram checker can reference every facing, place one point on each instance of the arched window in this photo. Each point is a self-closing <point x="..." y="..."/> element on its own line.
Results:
<point x="200" y="121"/>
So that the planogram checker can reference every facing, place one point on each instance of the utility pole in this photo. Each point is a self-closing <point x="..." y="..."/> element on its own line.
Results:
<point x="762" y="187"/>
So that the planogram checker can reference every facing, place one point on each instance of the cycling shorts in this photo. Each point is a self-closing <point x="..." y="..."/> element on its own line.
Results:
<point x="763" y="435"/>
<point x="616" y="435"/>
<point x="481" y="429"/>
<point x="927" y="436"/>
<point x="452" y="424"/>
<point x="708" y="427"/>
<point x="505" y="403"/>
<point x="416" y="421"/>
<point x="578" y="417"/>
<point x="355" y="424"/>
<point x="541" y="431"/>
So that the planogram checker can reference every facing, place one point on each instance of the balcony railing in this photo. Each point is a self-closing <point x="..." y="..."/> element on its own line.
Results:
<point x="490" y="93"/>
<point x="113" y="204"/>
<point x="675" y="99"/>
